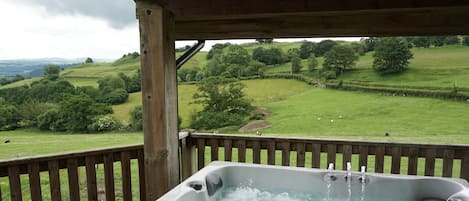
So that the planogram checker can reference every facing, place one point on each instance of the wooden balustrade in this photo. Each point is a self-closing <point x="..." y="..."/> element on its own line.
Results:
<point x="302" y="152"/>
<point x="71" y="162"/>
<point x="380" y="156"/>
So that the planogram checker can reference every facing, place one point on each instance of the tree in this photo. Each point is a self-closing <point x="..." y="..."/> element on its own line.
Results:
<point x="235" y="54"/>
<point x="110" y="83"/>
<point x="89" y="61"/>
<point x="312" y="63"/>
<point x="223" y="103"/>
<point x="391" y="56"/>
<point x="217" y="49"/>
<point x="323" y="47"/>
<point x="369" y="43"/>
<point x="265" y="40"/>
<point x="78" y="112"/>
<point x="465" y="40"/>
<point x="421" y="41"/>
<point x="451" y="40"/>
<point x="293" y="52"/>
<point x="306" y="49"/>
<point x="51" y="72"/>
<point x="269" y="56"/>
<point x="296" y="64"/>
<point x="8" y="116"/>
<point x="339" y="59"/>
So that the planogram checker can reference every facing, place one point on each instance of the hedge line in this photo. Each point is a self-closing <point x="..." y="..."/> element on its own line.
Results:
<point x="367" y="84"/>
<point x="443" y="94"/>
<point x="298" y="77"/>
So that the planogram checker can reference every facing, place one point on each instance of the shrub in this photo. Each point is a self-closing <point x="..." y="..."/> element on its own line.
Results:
<point x="115" y="97"/>
<point x="8" y="116"/>
<point x="51" y="120"/>
<point x="136" y="118"/>
<point x="29" y="112"/>
<point x="211" y="120"/>
<point x="105" y="123"/>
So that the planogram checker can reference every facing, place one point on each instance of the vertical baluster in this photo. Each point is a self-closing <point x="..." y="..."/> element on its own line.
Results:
<point x="200" y="153"/>
<point x="242" y="151"/>
<point x="109" y="177"/>
<point x="300" y="154"/>
<point x="91" y="178"/>
<point x="214" y="149"/>
<point x="331" y="153"/>
<point x="271" y="153"/>
<point x="346" y="156"/>
<point x="228" y="145"/>
<point x="54" y="180"/>
<point x="126" y="176"/>
<point x="286" y="154"/>
<point x="396" y="160"/>
<point x="141" y="173"/>
<point x="73" y="181"/>
<point x="1" y="198"/>
<point x="465" y="166"/>
<point x="34" y="182"/>
<point x="448" y="157"/>
<point x="15" y="183"/>
<point x="430" y="155"/>
<point x="413" y="161"/>
<point x="316" y="156"/>
<point x="363" y="157"/>
<point x="256" y="152"/>
<point x="379" y="158"/>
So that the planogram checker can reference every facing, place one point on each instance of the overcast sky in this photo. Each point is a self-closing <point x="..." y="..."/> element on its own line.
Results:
<point x="73" y="29"/>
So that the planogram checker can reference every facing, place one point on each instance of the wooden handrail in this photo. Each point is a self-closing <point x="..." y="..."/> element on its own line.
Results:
<point x="413" y="151"/>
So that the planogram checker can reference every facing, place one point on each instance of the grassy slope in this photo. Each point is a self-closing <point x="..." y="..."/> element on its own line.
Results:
<point x="369" y="116"/>
<point x="260" y="92"/>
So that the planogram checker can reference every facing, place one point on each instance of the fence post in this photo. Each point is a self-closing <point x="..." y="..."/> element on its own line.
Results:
<point x="187" y="155"/>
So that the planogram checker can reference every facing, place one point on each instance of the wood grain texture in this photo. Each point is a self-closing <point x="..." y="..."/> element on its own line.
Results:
<point x="430" y="162"/>
<point x="109" y="177"/>
<point x="316" y="156"/>
<point x="396" y="160"/>
<point x="159" y="99"/>
<point x="54" y="181"/>
<point x="271" y="152"/>
<point x="91" y="184"/>
<point x="34" y="182"/>
<point x="300" y="154"/>
<point x="214" y="150"/>
<point x="346" y="156"/>
<point x="126" y="176"/>
<point x="228" y="145"/>
<point x="141" y="174"/>
<point x="256" y="152"/>
<point x="465" y="166"/>
<point x="363" y="157"/>
<point x="379" y="159"/>
<point x="73" y="180"/>
<point x="15" y="183"/>
<point x="285" y="153"/>
<point x="331" y="153"/>
<point x="241" y="151"/>
<point x="448" y="157"/>
<point x="413" y="161"/>
<point x="200" y="153"/>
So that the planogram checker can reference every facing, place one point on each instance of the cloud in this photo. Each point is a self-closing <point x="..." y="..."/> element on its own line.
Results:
<point x="118" y="13"/>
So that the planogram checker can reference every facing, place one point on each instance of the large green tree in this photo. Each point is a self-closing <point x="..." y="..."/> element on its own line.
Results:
<point x="8" y="116"/>
<point x="391" y="56"/>
<point x="339" y="59"/>
<point x="51" y="72"/>
<point x="223" y="102"/>
<point x="296" y="64"/>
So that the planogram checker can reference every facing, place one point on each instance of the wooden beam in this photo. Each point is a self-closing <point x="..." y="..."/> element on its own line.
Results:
<point x="425" y="21"/>
<point x="159" y="97"/>
<point x="192" y="9"/>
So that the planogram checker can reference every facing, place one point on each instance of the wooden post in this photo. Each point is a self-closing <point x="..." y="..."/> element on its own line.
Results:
<point x="159" y="97"/>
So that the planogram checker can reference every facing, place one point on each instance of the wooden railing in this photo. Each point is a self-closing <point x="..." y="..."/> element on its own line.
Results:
<point x="196" y="150"/>
<point x="377" y="156"/>
<point x="71" y="162"/>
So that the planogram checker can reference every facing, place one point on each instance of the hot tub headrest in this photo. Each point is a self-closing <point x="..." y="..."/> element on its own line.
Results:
<point x="214" y="183"/>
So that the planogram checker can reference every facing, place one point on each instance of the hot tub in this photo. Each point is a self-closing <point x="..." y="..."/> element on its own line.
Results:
<point x="223" y="181"/>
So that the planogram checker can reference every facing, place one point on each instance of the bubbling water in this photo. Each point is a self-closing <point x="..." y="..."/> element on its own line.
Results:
<point x="245" y="193"/>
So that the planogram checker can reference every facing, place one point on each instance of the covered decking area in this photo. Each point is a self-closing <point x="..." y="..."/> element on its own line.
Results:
<point x="167" y="156"/>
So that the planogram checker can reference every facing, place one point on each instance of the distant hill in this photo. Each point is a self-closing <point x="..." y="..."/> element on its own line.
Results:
<point x="34" y="67"/>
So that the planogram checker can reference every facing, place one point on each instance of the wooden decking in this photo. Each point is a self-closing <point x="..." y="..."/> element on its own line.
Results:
<point x="196" y="150"/>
